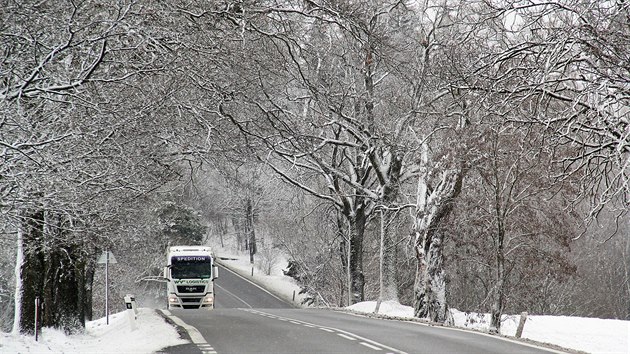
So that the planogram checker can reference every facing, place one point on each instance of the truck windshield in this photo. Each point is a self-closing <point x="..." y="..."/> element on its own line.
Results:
<point x="188" y="267"/>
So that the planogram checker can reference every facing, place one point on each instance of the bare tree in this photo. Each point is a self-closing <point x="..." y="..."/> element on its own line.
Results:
<point x="66" y="134"/>
<point x="571" y="57"/>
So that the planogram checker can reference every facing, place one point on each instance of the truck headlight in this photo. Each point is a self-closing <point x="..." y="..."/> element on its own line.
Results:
<point x="208" y="299"/>
<point x="172" y="299"/>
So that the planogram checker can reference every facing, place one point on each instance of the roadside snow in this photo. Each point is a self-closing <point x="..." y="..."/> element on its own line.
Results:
<point x="152" y="333"/>
<point x="279" y="284"/>
<point x="591" y="335"/>
<point x="388" y="308"/>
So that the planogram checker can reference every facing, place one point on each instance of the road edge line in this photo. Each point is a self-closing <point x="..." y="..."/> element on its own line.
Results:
<point x="278" y="297"/>
<point x="192" y="332"/>
<point x="550" y="347"/>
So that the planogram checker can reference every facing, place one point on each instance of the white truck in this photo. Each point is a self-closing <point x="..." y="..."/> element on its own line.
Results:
<point x="190" y="272"/>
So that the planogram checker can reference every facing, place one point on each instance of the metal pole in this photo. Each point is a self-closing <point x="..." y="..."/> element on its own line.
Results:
<point x="106" y="287"/>
<point x="36" y="316"/>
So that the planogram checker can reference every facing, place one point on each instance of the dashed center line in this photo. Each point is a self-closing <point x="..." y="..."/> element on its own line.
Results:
<point x="368" y="343"/>
<point x="370" y="346"/>
<point x="345" y="336"/>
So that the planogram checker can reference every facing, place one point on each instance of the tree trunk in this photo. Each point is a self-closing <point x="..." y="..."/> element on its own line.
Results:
<point x="221" y="228"/>
<point x="389" y="285"/>
<point x="53" y="270"/>
<point x="344" y="255"/>
<point x="90" y="269"/>
<point x="32" y="270"/>
<point x="249" y="230"/>
<point x="238" y="230"/>
<point x="19" y="261"/>
<point x="391" y="191"/>
<point x="498" y="292"/>
<point x="357" y="230"/>
<point x="430" y="285"/>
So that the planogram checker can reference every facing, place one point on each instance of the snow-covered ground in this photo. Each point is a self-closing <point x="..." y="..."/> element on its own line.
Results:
<point x="148" y="334"/>
<point x="152" y="333"/>
<point x="591" y="335"/>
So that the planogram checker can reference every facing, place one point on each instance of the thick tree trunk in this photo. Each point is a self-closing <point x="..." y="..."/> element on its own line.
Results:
<point x="90" y="269"/>
<point x="19" y="261"/>
<point x="53" y="270"/>
<point x="389" y="176"/>
<point x="32" y="271"/>
<point x="344" y="256"/>
<point x="357" y="230"/>
<point x="351" y="229"/>
<point x="430" y="285"/>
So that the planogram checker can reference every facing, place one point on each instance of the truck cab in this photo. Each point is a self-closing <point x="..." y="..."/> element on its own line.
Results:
<point x="190" y="272"/>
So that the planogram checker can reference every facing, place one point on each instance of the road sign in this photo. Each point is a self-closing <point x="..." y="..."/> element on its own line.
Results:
<point x="106" y="257"/>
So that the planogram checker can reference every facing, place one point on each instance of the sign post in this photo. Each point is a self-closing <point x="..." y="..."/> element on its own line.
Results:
<point x="107" y="257"/>
<point x="36" y="317"/>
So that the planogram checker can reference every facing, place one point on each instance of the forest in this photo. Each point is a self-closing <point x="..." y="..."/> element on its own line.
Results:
<point x="469" y="154"/>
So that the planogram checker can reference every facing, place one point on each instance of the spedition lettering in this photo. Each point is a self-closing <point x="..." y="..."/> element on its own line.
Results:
<point x="191" y="259"/>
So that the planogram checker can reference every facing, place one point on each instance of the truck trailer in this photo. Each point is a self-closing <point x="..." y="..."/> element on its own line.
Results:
<point x="190" y="272"/>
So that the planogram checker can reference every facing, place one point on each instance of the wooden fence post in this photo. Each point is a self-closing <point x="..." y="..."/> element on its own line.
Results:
<point x="521" y="324"/>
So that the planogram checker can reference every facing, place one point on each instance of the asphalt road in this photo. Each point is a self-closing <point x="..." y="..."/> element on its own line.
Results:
<point x="233" y="291"/>
<point x="248" y="319"/>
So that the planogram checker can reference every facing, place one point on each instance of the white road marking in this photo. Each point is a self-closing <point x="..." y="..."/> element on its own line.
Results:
<point x="345" y="336"/>
<point x="194" y="333"/>
<point x="251" y="282"/>
<point x="206" y="349"/>
<point x="370" y="346"/>
<point x="230" y="293"/>
<point x="340" y="332"/>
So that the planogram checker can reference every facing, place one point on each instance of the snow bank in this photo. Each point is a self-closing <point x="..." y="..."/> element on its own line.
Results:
<point x="592" y="335"/>
<point x="152" y="333"/>
<point x="388" y="308"/>
<point x="277" y="282"/>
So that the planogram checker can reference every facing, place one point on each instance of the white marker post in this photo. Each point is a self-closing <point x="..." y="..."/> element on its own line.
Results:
<point x="36" y="317"/>
<point x="107" y="257"/>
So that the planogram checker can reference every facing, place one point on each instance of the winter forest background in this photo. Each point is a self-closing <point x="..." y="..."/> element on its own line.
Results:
<point x="443" y="153"/>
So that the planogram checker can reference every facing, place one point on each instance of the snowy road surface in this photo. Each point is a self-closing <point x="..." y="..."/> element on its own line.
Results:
<point x="250" y="320"/>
